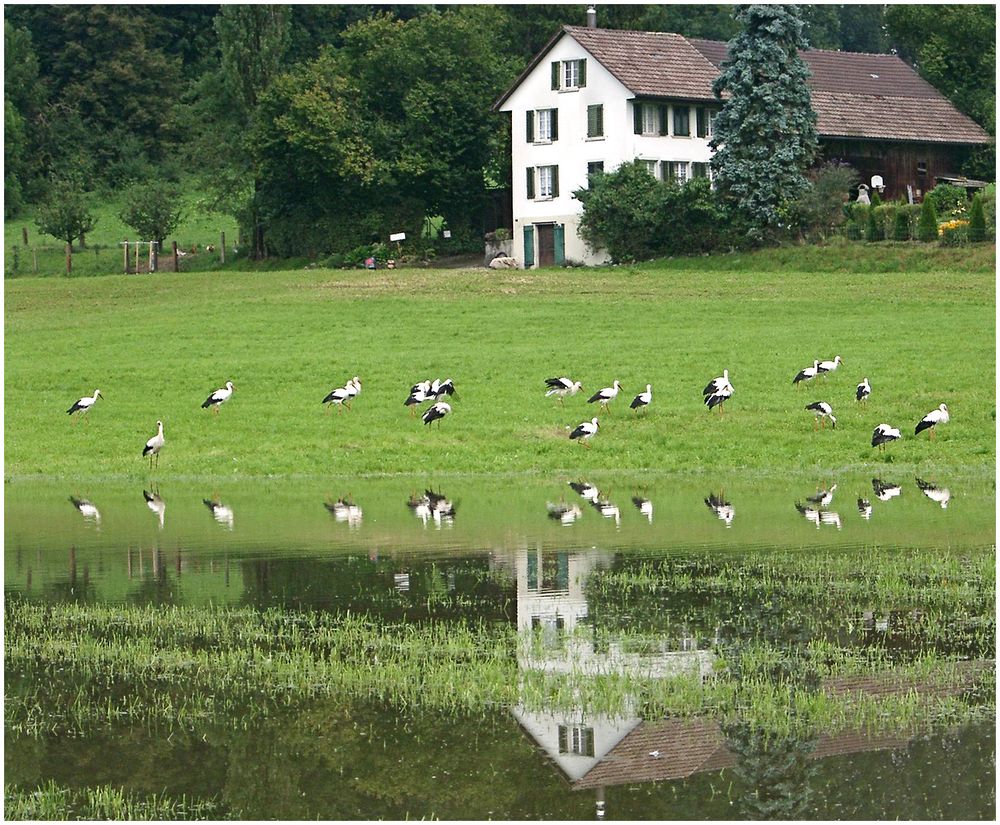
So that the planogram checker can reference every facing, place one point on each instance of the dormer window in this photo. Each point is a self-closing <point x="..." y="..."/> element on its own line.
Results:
<point x="569" y="74"/>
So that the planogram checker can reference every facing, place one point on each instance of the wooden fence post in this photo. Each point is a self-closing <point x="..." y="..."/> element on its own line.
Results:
<point x="222" y="247"/>
<point x="69" y="258"/>
<point x="124" y="244"/>
<point x="34" y="260"/>
<point x="174" y="246"/>
<point x="137" y="257"/>
<point x="153" y="260"/>
<point x="24" y="235"/>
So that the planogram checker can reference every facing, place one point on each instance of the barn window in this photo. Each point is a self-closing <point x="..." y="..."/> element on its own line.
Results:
<point x="922" y="168"/>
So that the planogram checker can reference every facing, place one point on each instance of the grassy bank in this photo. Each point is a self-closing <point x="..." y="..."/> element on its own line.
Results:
<point x="920" y="327"/>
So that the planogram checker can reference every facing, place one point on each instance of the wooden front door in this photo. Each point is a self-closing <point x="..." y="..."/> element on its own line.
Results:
<point x="546" y="244"/>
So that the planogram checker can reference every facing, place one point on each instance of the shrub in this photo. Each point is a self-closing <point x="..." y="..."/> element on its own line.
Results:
<point x="822" y="206"/>
<point x="954" y="232"/>
<point x="872" y="232"/>
<point x="927" y="230"/>
<point x="901" y="225"/>
<point x="977" y="220"/>
<point x="635" y="217"/>
<point x="949" y="201"/>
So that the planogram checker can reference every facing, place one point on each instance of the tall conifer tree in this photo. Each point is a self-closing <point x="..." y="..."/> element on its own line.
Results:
<point x="765" y="136"/>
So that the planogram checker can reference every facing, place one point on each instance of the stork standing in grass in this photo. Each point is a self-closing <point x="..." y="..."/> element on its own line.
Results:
<point x="718" y="391"/>
<point x="82" y="405"/>
<point x="439" y="389"/>
<point x="807" y="374"/>
<point x="436" y="412"/>
<point x="606" y="395"/>
<point x="823" y="411"/>
<point x="585" y="431"/>
<point x="829" y="366"/>
<point x="864" y="390"/>
<point x="561" y="387"/>
<point x="932" y="419"/>
<point x="883" y="434"/>
<point x="418" y="395"/>
<point x="643" y="399"/>
<point x="154" y="445"/>
<point x="218" y="398"/>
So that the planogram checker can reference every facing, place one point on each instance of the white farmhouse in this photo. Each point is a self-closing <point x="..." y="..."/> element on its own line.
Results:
<point x="578" y="108"/>
<point x="594" y="98"/>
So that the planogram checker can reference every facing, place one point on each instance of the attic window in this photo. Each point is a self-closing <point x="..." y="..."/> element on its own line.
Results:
<point x="569" y="74"/>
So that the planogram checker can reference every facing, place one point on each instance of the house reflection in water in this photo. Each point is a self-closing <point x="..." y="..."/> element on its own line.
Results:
<point x="598" y="751"/>
<point x="551" y="601"/>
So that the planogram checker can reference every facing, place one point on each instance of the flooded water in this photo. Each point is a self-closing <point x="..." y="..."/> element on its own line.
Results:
<point x="664" y="579"/>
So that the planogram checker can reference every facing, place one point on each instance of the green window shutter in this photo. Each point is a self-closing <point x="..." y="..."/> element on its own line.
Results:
<point x="583" y="73"/>
<point x="529" y="246"/>
<point x="555" y="74"/>
<point x="663" y="120"/>
<point x="555" y="124"/>
<point x="664" y="170"/>
<point x="555" y="181"/>
<point x="559" y="242"/>
<point x="529" y="123"/>
<point x="531" y="183"/>
<point x="701" y="124"/>
<point x="637" y="117"/>
<point x="600" y="121"/>
<point x="595" y="121"/>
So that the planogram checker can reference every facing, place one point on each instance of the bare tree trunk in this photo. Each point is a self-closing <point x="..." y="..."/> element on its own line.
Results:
<point x="69" y="258"/>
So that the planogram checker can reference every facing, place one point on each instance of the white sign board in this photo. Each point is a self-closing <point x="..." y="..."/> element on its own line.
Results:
<point x="447" y="233"/>
<point x="399" y="236"/>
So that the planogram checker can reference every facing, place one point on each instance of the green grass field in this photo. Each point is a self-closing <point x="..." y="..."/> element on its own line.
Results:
<point x="919" y="322"/>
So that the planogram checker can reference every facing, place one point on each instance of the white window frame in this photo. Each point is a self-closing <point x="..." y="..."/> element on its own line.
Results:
<point x="571" y="74"/>
<point x="680" y="171"/>
<point x="543" y="134"/>
<point x="650" y="120"/>
<point x="545" y="179"/>
<point x="650" y="165"/>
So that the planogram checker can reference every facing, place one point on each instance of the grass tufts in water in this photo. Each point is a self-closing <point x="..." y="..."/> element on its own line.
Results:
<point x="105" y="802"/>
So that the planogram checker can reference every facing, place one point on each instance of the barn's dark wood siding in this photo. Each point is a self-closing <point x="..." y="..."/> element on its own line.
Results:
<point x="897" y="163"/>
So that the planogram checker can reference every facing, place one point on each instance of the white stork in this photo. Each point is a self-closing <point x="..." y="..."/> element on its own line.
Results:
<point x="942" y="495"/>
<point x="564" y="513"/>
<point x="723" y="510"/>
<point x="154" y="445"/>
<point x="643" y="399"/>
<point x="823" y="411"/>
<point x="718" y="391"/>
<point x="932" y="419"/>
<point x="807" y="374"/>
<point x="824" y="497"/>
<point x="883" y="434"/>
<point x="418" y="395"/>
<point x="644" y="506"/>
<point x="561" y="387"/>
<point x="87" y="510"/>
<point x="585" y="431"/>
<point x="219" y="397"/>
<point x="864" y="390"/>
<point x="345" y="510"/>
<point x="884" y="491"/>
<point x="585" y="490"/>
<point x="436" y="412"/>
<point x="353" y="387"/>
<point x="156" y="504"/>
<point x="829" y="366"/>
<point x="442" y="388"/>
<point x="606" y="395"/>
<point x="83" y="405"/>
<point x="222" y="513"/>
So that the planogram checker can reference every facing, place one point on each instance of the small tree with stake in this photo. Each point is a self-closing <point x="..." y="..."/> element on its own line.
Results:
<point x="152" y="209"/>
<point x="65" y="214"/>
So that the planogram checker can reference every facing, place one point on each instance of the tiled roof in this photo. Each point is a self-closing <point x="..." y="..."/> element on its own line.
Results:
<point x="873" y="96"/>
<point x="855" y="95"/>
<point x="650" y="63"/>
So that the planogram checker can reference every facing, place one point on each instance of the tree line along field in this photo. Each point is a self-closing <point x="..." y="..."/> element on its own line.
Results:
<point x="920" y="324"/>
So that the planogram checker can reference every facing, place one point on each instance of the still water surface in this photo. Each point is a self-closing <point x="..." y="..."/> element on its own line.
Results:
<point x="543" y="556"/>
